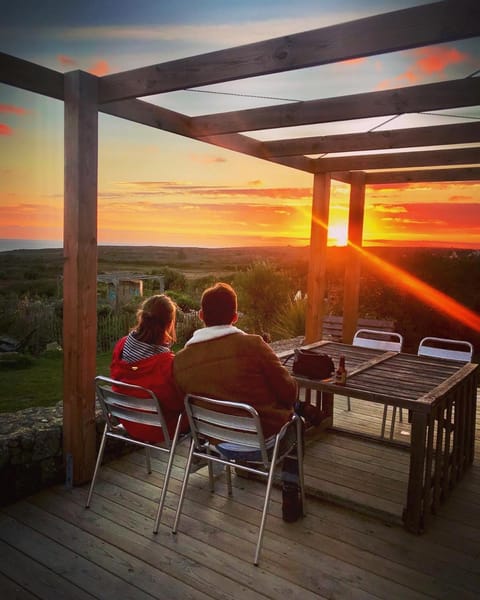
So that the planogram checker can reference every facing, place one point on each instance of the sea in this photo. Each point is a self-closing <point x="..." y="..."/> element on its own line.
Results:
<point x="16" y="244"/>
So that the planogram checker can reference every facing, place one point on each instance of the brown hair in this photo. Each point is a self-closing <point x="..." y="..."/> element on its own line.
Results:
<point x="156" y="320"/>
<point x="219" y="305"/>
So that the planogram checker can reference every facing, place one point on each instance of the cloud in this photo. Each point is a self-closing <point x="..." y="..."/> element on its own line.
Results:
<point x="15" y="110"/>
<point x="5" y="129"/>
<point x="66" y="61"/>
<point x="436" y="59"/>
<point x="382" y="208"/>
<point x="433" y="60"/>
<point x="460" y="198"/>
<point x="207" y="160"/>
<point x="99" y="68"/>
<point x="461" y="216"/>
<point x="223" y="34"/>
<point x="352" y="62"/>
<point x="232" y="193"/>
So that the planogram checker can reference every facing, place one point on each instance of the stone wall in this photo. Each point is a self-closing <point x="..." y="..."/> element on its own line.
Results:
<point x="31" y="454"/>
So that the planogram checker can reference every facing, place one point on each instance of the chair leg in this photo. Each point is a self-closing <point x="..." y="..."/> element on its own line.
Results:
<point x="392" y="426"/>
<point x="267" y="499"/>
<point x="211" y="479"/>
<point x="300" y="464"/>
<point x="97" y="466"/>
<point x="184" y="486"/>
<point x="349" y="406"/>
<point x="166" y="478"/>
<point x="147" y="460"/>
<point x="384" y="420"/>
<point x="228" y="475"/>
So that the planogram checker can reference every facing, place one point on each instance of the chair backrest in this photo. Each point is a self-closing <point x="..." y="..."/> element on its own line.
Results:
<point x="224" y="421"/>
<point x="446" y="348"/>
<point x="123" y="405"/>
<point x="381" y="340"/>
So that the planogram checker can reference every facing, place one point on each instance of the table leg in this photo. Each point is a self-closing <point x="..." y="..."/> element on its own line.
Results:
<point x="413" y="513"/>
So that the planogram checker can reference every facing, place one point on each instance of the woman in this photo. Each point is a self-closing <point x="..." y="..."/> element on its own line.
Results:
<point x="143" y="357"/>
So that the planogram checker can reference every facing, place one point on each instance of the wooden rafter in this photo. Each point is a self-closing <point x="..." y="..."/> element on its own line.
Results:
<point x="462" y="133"/>
<point x="430" y="158"/>
<point x="400" y="30"/>
<point x="421" y="176"/>
<point x="414" y="99"/>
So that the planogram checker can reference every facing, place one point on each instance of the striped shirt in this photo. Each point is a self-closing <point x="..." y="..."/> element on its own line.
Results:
<point x="135" y="350"/>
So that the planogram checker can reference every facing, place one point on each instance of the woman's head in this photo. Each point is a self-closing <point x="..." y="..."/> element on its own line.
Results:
<point x="156" y="320"/>
<point x="219" y="305"/>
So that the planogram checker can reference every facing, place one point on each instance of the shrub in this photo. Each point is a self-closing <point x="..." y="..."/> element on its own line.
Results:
<point x="290" y="320"/>
<point x="263" y="290"/>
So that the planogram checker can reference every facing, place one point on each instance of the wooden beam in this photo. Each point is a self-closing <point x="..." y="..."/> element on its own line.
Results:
<point x="351" y="290"/>
<point x="389" y="32"/>
<point x="80" y="275"/>
<point x="316" y="284"/>
<point x="146" y="113"/>
<point x="426" y="158"/>
<point x="427" y="175"/>
<point x="29" y="76"/>
<point x="438" y="135"/>
<point x="427" y="97"/>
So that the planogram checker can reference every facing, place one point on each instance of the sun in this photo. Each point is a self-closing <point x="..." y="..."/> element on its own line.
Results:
<point x="337" y="234"/>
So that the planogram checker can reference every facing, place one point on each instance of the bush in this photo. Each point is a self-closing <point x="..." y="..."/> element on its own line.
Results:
<point x="290" y="320"/>
<point x="263" y="291"/>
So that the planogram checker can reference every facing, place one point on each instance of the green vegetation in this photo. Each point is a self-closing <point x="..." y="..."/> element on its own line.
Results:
<point x="266" y="279"/>
<point x="40" y="383"/>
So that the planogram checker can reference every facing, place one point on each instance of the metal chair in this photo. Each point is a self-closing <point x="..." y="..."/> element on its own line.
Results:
<point x="446" y="348"/>
<point x="237" y="440"/>
<point x="146" y="411"/>
<point x="381" y="340"/>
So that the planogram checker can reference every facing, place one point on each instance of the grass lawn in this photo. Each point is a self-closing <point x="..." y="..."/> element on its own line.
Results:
<point x="39" y="384"/>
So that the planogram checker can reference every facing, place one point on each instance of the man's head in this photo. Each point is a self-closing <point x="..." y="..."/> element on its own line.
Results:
<point x="219" y="305"/>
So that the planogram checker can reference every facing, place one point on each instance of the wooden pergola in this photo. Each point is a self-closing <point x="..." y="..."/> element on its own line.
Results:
<point x="84" y="95"/>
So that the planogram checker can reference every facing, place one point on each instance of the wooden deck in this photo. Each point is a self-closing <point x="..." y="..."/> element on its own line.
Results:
<point x="52" y="547"/>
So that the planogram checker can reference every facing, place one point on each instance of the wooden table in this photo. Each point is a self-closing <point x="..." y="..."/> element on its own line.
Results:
<point x="440" y="396"/>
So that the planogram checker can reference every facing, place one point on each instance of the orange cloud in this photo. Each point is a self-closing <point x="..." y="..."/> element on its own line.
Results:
<point x="428" y="61"/>
<point x="5" y="129"/>
<point x="10" y="108"/>
<point x="207" y="160"/>
<point x="353" y="61"/>
<point x="437" y="59"/>
<point x="101" y="67"/>
<point x="66" y="61"/>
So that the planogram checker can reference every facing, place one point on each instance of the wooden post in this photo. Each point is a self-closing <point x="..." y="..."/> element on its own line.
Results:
<point x="316" y="284"/>
<point x="351" y="290"/>
<point x="80" y="275"/>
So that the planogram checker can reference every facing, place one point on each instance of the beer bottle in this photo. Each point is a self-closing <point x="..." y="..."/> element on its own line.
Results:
<point x="341" y="372"/>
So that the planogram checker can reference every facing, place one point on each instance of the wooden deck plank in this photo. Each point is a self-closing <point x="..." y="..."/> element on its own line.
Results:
<point x="12" y="591"/>
<point x="52" y="547"/>
<point x="325" y="545"/>
<point x="145" y="580"/>
<point x="31" y="574"/>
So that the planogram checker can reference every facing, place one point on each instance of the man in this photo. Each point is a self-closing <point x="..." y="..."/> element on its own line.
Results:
<point x="221" y="361"/>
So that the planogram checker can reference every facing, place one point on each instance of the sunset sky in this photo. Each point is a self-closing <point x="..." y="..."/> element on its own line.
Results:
<point x="162" y="189"/>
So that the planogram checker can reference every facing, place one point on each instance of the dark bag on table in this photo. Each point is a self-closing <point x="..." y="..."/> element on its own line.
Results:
<point x="308" y="363"/>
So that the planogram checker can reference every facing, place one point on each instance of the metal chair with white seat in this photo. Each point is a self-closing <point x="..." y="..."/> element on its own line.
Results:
<point x="446" y="348"/>
<point x="380" y="340"/>
<point x="234" y="430"/>
<point x="146" y="411"/>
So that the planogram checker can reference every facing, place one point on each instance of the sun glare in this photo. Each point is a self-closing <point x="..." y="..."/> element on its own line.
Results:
<point x="337" y="234"/>
<point x="424" y="292"/>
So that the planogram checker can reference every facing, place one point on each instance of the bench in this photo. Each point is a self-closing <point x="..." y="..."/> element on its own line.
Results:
<point x="333" y="326"/>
